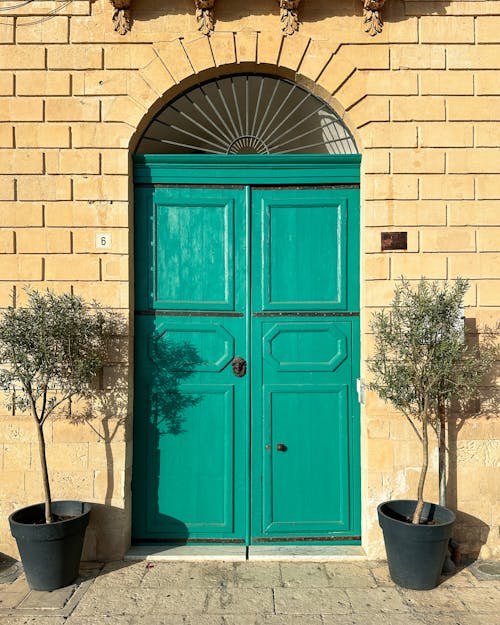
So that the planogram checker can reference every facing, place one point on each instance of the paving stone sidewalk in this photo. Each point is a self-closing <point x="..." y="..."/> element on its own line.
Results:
<point x="249" y="593"/>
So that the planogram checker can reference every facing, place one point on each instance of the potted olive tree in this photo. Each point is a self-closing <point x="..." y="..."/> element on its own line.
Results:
<point x="50" y="351"/>
<point x="422" y="360"/>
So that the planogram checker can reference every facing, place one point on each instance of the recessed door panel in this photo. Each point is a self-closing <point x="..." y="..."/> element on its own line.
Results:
<point x="306" y="429"/>
<point x="193" y="249"/>
<point x="192" y="269"/>
<point x="210" y="338"/>
<point x="304" y="249"/>
<point x="199" y="493"/>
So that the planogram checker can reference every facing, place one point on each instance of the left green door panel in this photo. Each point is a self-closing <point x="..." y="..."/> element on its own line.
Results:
<point x="190" y="473"/>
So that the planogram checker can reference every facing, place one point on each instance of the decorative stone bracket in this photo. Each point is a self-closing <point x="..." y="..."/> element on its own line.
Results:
<point x="372" y="19"/>
<point x="289" y="10"/>
<point x="121" y="15"/>
<point x="289" y="16"/>
<point x="205" y="15"/>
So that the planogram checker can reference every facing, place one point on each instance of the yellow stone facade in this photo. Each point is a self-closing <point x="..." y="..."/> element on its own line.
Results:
<point x="422" y="99"/>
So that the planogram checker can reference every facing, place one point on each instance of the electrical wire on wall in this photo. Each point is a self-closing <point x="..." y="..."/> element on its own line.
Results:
<point x="49" y="15"/>
<point x="17" y="6"/>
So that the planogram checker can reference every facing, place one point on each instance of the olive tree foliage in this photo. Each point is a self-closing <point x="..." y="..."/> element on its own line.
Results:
<point x="422" y="358"/>
<point x="50" y="351"/>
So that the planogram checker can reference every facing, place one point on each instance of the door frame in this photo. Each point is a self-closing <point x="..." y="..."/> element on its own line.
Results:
<point x="284" y="171"/>
<point x="272" y="169"/>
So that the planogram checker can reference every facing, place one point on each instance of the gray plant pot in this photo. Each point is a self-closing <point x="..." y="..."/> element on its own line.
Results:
<point x="415" y="553"/>
<point x="51" y="552"/>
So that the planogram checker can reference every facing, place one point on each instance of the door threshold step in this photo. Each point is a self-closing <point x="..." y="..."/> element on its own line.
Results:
<point x="311" y="553"/>
<point x="240" y="553"/>
<point x="187" y="553"/>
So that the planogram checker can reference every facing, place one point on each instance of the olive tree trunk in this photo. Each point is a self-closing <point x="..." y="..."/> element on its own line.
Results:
<point x="45" y="473"/>
<point x="423" y="471"/>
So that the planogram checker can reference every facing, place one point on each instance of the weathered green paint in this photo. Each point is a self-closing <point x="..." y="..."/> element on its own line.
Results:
<point x="244" y="260"/>
<point x="190" y="476"/>
<point x="302" y="366"/>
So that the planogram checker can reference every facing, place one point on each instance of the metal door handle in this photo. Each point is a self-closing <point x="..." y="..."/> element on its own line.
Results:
<point x="239" y="365"/>
<point x="281" y="447"/>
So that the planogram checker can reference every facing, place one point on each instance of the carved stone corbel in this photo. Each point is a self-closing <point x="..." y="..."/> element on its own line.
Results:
<point x="289" y="16"/>
<point x="121" y="15"/>
<point x="371" y="17"/>
<point x="205" y="15"/>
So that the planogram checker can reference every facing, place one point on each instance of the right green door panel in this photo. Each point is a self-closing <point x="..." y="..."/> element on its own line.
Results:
<point x="303" y="330"/>
<point x="270" y="275"/>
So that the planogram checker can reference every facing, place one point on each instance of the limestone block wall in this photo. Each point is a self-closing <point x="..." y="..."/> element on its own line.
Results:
<point x="422" y="99"/>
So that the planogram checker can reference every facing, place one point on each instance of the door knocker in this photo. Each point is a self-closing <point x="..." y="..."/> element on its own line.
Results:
<point x="239" y="365"/>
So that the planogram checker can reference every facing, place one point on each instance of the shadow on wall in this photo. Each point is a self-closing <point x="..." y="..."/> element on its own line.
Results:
<point x="167" y="395"/>
<point x="471" y="533"/>
<point x="310" y="11"/>
<point x="107" y="415"/>
<point x="107" y="533"/>
<point x="174" y="363"/>
<point x="471" y="454"/>
<point x="106" y="412"/>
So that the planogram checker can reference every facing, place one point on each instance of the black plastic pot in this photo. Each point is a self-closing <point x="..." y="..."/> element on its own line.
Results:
<point x="51" y="552"/>
<point x="415" y="553"/>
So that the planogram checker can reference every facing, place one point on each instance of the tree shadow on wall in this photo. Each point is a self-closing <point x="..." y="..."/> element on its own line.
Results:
<point x="174" y="363"/>
<point x="106" y="412"/>
<point x="472" y="453"/>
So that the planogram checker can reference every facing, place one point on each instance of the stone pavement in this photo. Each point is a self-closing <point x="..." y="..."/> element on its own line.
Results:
<point x="249" y="593"/>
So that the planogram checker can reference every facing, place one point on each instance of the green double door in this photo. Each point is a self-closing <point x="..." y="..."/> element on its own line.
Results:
<point x="247" y="350"/>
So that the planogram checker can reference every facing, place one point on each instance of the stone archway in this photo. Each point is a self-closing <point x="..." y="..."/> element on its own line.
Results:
<point x="161" y="73"/>
<point x="267" y="194"/>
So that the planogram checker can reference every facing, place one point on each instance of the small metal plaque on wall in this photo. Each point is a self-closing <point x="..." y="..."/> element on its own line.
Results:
<point x="393" y="241"/>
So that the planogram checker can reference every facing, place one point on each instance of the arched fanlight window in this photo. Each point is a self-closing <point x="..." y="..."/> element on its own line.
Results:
<point x="247" y="114"/>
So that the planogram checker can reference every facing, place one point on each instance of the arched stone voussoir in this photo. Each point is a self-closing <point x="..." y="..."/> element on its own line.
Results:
<point x="336" y="72"/>
<point x="141" y="90"/>
<point x="293" y="50"/>
<point x="122" y="109"/>
<point x="199" y="53"/>
<point x="175" y="59"/>
<point x="269" y="47"/>
<point x="223" y="47"/>
<point x="246" y="42"/>
<point x="157" y="76"/>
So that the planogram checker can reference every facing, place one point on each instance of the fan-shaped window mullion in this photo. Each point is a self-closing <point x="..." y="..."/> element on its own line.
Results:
<point x="247" y="114"/>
